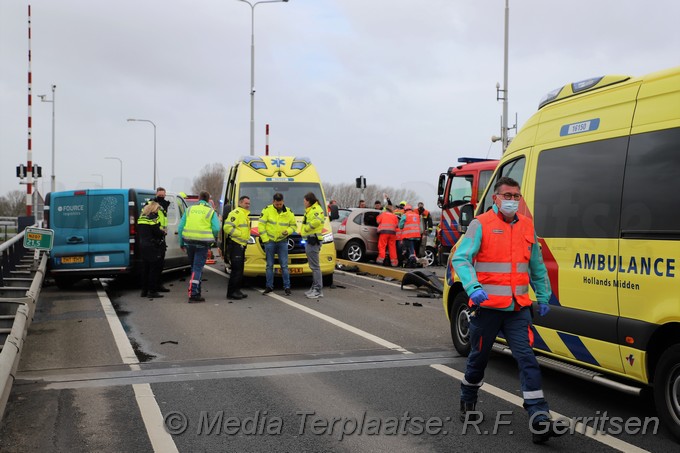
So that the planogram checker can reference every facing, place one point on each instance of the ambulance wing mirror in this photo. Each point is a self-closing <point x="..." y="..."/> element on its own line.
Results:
<point x="467" y="213"/>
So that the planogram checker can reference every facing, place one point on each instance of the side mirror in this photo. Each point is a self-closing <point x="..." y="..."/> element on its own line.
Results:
<point x="467" y="213"/>
<point x="441" y="184"/>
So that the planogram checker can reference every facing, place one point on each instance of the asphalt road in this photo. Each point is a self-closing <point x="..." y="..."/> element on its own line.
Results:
<point x="363" y="369"/>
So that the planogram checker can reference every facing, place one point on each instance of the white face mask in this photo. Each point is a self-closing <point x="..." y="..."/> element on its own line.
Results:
<point x="509" y="207"/>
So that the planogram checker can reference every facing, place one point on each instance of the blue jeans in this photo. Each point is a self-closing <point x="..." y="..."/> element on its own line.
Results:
<point x="280" y="248"/>
<point x="515" y="325"/>
<point x="197" y="256"/>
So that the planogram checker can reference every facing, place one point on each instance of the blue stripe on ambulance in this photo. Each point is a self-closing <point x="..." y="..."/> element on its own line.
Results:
<point x="577" y="348"/>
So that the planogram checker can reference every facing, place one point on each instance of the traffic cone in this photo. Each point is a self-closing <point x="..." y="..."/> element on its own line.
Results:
<point x="211" y="258"/>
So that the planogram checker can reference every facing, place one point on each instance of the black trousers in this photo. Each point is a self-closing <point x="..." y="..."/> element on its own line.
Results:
<point x="150" y="272"/>
<point x="237" y="259"/>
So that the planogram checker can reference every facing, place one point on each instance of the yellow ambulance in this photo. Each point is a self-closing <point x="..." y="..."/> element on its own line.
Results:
<point x="260" y="177"/>
<point x="599" y="165"/>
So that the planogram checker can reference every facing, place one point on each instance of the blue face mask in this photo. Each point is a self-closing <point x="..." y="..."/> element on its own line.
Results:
<point x="509" y="207"/>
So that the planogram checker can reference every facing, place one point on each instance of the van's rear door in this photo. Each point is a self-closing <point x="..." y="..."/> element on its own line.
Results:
<point x="68" y="218"/>
<point x="109" y="229"/>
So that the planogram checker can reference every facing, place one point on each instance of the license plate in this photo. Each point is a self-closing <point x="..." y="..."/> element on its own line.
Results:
<point x="291" y="270"/>
<point x="73" y="259"/>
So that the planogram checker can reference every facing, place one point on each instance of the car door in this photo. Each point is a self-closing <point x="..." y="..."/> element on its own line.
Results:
<point x="370" y="231"/>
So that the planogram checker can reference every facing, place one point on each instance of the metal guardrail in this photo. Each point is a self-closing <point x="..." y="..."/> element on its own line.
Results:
<point x="17" y="309"/>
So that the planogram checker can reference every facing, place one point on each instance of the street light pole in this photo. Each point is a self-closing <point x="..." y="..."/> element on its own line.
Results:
<point x="252" y="67"/>
<point x="42" y="99"/>
<point x="154" y="146"/>
<point x="504" y="132"/>
<point x="121" y="169"/>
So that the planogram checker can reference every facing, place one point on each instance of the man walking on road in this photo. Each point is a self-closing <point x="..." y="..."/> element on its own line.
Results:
<point x="276" y="224"/>
<point x="237" y="233"/>
<point x="197" y="231"/>
<point x="496" y="261"/>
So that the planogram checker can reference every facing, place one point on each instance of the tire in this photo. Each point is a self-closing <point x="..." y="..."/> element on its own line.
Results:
<point x="460" y="327"/>
<point x="354" y="251"/>
<point x="667" y="389"/>
<point x="327" y="280"/>
<point x="430" y="256"/>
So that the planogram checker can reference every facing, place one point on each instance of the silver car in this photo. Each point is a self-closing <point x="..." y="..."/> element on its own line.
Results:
<point x="355" y="234"/>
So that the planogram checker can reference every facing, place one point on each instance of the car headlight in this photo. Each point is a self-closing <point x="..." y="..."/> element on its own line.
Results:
<point x="327" y="238"/>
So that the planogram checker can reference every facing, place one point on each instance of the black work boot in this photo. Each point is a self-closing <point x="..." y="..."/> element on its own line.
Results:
<point x="468" y="412"/>
<point x="543" y="430"/>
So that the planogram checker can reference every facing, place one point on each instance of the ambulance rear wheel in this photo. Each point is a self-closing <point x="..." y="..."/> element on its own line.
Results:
<point x="460" y="327"/>
<point x="667" y="389"/>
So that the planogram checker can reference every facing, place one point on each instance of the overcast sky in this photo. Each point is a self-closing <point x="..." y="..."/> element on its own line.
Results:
<point x="395" y="90"/>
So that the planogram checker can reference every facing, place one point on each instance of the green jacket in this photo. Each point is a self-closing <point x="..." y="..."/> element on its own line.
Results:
<point x="273" y="223"/>
<point x="313" y="221"/>
<point x="237" y="225"/>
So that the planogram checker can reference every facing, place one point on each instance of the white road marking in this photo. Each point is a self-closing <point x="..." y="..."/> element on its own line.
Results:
<point x="161" y="441"/>
<point x="601" y="437"/>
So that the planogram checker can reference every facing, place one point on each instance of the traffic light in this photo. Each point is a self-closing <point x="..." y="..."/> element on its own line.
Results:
<point x="21" y="171"/>
<point x="361" y="182"/>
<point x="37" y="171"/>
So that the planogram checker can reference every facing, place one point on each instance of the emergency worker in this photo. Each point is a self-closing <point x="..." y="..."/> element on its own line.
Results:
<point x="410" y="233"/>
<point x="163" y="220"/>
<point x="496" y="261"/>
<point x="388" y="224"/>
<point x="311" y="230"/>
<point x="276" y="224"/>
<point x="152" y="247"/>
<point x="237" y="233"/>
<point x="197" y="231"/>
<point x="425" y="228"/>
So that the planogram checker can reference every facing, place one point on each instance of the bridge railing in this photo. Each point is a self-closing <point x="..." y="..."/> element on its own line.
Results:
<point x="18" y="268"/>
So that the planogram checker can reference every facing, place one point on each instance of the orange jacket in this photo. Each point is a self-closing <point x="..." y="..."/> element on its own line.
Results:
<point x="411" y="226"/>
<point x="388" y="223"/>
<point x="502" y="263"/>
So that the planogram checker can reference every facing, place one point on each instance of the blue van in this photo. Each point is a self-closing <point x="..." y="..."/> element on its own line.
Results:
<point x="95" y="233"/>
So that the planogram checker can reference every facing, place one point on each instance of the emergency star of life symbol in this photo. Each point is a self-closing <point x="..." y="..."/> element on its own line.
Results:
<point x="278" y="162"/>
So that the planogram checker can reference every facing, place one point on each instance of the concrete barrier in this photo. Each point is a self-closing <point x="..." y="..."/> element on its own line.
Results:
<point x="17" y="305"/>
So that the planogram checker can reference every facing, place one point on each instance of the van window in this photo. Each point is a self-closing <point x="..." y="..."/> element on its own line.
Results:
<point x="69" y="212"/>
<point x="172" y="210"/>
<point x="106" y="210"/>
<point x="578" y="190"/>
<point x="513" y="169"/>
<point x="650" y="187"/>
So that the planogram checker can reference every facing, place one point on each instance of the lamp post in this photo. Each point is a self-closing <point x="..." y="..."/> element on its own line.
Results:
<point x="42" y="99"/>
<point x="121" y="169"/>
<point x="154" y="146"/>
<point x="252" y="67"/>
<point x="101" y="179"/>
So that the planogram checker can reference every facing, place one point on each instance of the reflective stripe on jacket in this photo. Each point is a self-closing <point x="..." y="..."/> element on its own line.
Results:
<point x="502" y="263"/>
<point x="198" y="224"/>
<point x="273" y="223"/>
<point x="411" y="228"/>
<point x="237" y="226"/>
<point x="313" y="221"/>
<point x="388" y="223"/>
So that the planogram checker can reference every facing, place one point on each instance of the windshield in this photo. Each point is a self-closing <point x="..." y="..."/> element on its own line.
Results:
<point x="261" y="194"/>
<point x="461" y="188"/>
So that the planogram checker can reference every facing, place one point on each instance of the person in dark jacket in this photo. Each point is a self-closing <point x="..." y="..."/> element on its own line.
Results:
<point x="152" y="248"/>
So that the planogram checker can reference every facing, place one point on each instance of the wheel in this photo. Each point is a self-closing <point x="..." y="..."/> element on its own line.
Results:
<point x="354" y="251"/>
<point x="327" y="280"/>
<point x="667" y="389"/>
<point x="430" y="255"/>
<point x="460" y="326"/>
